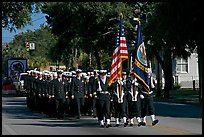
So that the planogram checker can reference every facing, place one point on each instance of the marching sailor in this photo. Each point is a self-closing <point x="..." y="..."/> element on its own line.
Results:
<point x="119" y="100"/>
<point x="134" y="107"/>
<point x="147" y="103"/>
<point x="103" y="92"/>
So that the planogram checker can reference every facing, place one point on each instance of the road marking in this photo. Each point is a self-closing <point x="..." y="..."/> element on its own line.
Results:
<point x="11" y="131"/>
<point x="170" y="129"/>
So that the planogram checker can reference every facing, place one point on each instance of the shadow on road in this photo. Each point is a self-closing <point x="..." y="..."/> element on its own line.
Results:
<point x="80" y="123"/>
<point x="16" y="107"/>
<point x="178" y="110"/>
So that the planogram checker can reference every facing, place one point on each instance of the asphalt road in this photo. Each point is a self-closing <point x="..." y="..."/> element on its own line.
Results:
<point x="174" y="119"/>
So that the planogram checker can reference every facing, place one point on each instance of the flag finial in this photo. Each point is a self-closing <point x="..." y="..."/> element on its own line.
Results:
<point x="121" y="14"/>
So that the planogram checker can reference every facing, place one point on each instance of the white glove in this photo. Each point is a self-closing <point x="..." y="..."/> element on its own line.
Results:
<point x="136" y="84"/>
<point x="141" y="96"/>
<point x="99" y="89"/>
<point x="120" y="82"/>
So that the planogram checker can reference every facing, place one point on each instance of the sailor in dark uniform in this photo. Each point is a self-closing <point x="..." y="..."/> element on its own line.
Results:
<point x="59" y="93"/>
<point x="133" y="99"/>
<point x="147" y="103"/>
<point x="103" y="97"/>
<point x="78" y="91"/>
<point x="92" y="93"/>
<point x="119" y="100"/>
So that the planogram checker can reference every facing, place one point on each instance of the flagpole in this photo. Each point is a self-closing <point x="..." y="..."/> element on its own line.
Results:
<point x="121" y="66"/>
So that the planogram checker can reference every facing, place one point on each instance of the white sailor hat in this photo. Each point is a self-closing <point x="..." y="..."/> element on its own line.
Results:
<point x="84" y="74"/>
<point x="55" y="74"/>
<point x="92" y="73"/>
<point x="51" y="74"/>
<point x="69" y="74"/>
<point x="28" y="72"/>
<point x="46" y="71"/>
<point x="78" y="70"/>
<point x="59" y="71"/>
<point x="124" y="73"/>
<point x="95" y="70"/>
<point x="40" y="73"/>
<point x="64" y="73"/>
<point x="73" y="72"/>
<point x="132" y="73"/>
<point x="46" y="74"/>
<point x="88" y="73"/>
<point x="87" y="77"/>
<point x="103" y="71"/>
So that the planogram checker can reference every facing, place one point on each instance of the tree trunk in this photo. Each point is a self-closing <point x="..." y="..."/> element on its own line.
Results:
<point x="168" y="72"/>
<point x="199" y="51"/>
<point x="158" y="80"/>
<point x="98" y="60"/>
<point x="159" y="62"/>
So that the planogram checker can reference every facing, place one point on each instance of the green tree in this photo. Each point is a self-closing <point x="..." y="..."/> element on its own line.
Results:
<point x="43" y="39"/>
<point x="90" y="26"/>
<point x="174" y="29"/>
<point x="16" y="15"/>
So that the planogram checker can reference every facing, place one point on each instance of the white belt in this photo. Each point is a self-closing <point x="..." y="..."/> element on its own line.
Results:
<point x="104" y="92"/>
<point x="147" y="93"/>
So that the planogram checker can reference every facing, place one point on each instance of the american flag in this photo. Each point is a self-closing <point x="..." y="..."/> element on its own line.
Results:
<point x="119" y="55"/>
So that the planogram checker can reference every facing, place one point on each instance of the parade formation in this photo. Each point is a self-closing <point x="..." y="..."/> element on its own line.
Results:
<point x="76" y="93"/>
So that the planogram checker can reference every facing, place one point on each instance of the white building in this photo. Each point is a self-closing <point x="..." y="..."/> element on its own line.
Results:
<point x="185" y="71"/>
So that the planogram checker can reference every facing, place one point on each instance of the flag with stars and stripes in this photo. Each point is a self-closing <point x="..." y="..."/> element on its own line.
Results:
<point x="119" y="55"/>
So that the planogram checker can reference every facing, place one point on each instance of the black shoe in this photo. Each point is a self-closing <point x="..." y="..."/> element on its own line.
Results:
<point x="131" y="125"/>
<point x="125" y="124"/>
<point x="102" y="126"/>
<point x="78" y="117"/>
<point x="117" y="125"/>
<point x="143" y="123"/>
<point x="108" y="125"/>
<point x="94" y="116"/>
<point x="139" y="124"/>
<point x="155" y="122"/>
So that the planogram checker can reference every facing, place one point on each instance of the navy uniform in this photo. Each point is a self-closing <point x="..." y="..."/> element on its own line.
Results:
<point x="88" y="101"/>
<point x="92" y="92"/>
<point x="52" y="95"/>
<point x="27" y="88"/>
<point x="133" y="99"/>
<point x="147" y="103"/>
<point x="39" y="92"/>
<point x="59" y="94"/>
<point x="119" y="100"/>
<point x="103" y="97"/>
<point x="68" y="78"/>
<point x="33" y="89"/>
<point x="78" y="91"/>
<point x="45" y="92"/>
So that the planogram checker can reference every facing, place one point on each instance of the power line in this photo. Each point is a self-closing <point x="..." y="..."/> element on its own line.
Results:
<point x="38" y="19"/>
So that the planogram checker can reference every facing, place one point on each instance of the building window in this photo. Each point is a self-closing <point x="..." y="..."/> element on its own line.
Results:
<point x="182" y="65"/>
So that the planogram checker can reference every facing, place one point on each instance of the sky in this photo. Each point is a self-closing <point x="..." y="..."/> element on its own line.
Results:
<point x="37" y="19"/>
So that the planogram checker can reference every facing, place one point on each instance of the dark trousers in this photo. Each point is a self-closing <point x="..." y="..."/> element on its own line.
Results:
<point x="94" y="106"/>
<point x="134" y="108"/>
<point x="59" y="107"/>
<point x="52" y="107"/>
<point x="80" y="105"/>
<point x="104" y="109"/>
<point x="87" y="106"/>
<point x="120" y="109"/>
<point x="147" y="106"/>
<point x="66" y="106"/>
